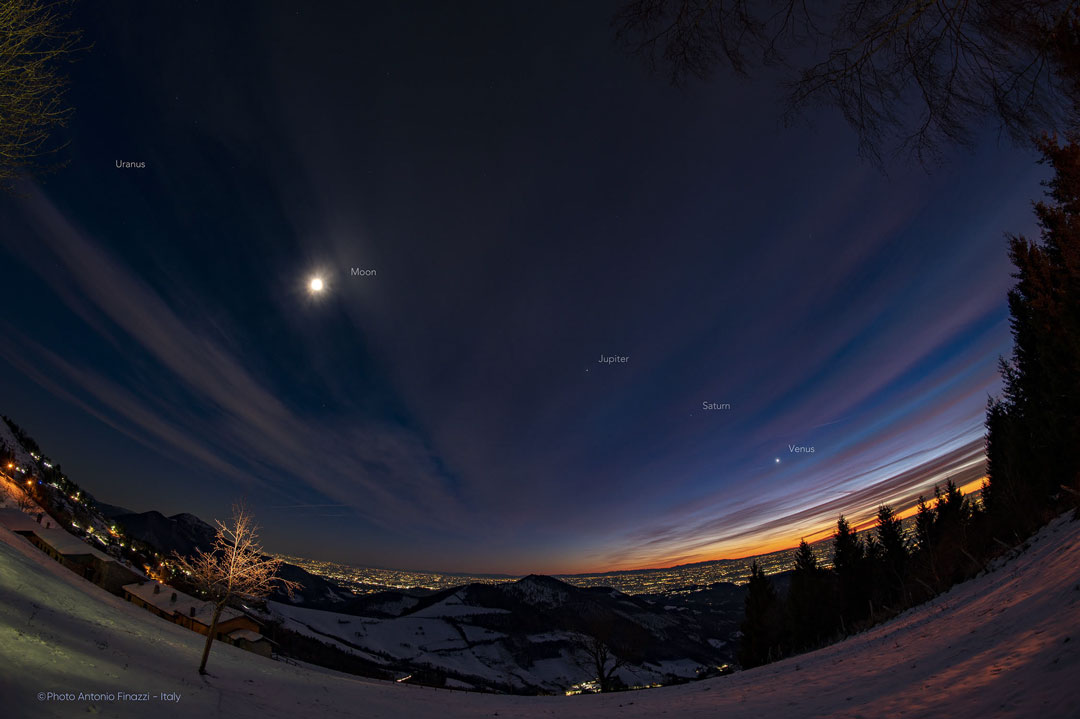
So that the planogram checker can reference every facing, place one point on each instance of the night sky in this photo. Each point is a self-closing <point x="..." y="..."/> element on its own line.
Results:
<point x="531" y="198"/>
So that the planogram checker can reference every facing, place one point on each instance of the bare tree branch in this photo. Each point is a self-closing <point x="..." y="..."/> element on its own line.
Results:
<point x="33" y="47"/>
<point x="234" y="569"/>
<point x="908" y="75"/>
<point x="600" y="661"/>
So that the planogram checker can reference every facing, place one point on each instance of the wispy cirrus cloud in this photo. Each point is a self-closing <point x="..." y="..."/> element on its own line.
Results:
<point x="741" y="530"/>
<point x="231" y="422"/>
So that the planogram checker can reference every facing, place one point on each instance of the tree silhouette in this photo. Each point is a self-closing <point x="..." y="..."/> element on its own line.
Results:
<point x="924" y="524"/>
<point x="235" y="568"/>
<point x="894" y="555"/>
<point x="808" y="599"/>
<point x="805" y="559"/>
<point x="760" y="626"/>
<point x="909" y="74"/>
<point x="1032" y="430"/>
<point x="849" y="561"/>
<point x="33" y="44"/>
<point x="602" y="662"/>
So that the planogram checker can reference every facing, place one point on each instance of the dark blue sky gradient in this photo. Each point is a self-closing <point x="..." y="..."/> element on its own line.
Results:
<point x="531" y="198"/>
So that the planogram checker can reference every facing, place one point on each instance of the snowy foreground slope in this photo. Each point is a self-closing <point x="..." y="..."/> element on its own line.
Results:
<point x="1004" y="645"/>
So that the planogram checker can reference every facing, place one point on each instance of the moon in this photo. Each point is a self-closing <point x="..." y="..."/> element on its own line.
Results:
<point x="316" y="284"/>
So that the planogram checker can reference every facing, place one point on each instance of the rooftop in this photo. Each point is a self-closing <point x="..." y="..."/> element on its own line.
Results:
<point x="65" y="543"/>
<point x="182" y="604"/>
<point x="18" y="521"/>
<point x="247" y="635"/>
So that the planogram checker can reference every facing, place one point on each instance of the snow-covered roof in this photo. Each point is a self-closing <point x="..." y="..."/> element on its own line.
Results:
<point x="182" y="604"/>
<point x="247" y="635"/>
<point x="68" y="544"/>
<point x="18" y="521"/>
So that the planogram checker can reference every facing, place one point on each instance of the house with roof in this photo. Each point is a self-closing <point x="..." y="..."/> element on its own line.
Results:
<point x="78" y="556"/>
<point x="233" y="627"/>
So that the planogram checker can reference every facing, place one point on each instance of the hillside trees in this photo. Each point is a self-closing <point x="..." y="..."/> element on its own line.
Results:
<point x="1033" y="450"/>
<point x="1033" y="428"/>
<point x="874" y="576"/>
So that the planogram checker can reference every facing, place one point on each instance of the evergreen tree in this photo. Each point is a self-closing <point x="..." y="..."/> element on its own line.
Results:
<point x="949" y="551"/>
<point x="953" y="509"/>
<point x="986" y="494"/>
<point x="847" y="550"/>
<point x="805" y="560"/>
<point x="872" y="551"/>
<point x="1032" y="429"/>
<point x="894" y="555"/>
<point x="848" y="560"/>
<point x="924" y="525"/>
<point x="890" y="534"/>
<point x="807" y="599"/>
<point x="760" y="630"/>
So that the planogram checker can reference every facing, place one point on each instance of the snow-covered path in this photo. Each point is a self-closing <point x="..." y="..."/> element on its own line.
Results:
<point x="1004" y="645"/>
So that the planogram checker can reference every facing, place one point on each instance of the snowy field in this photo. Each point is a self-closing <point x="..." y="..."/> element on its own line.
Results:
<point x="1004" y="645"/>
<point x="430" y="638"/>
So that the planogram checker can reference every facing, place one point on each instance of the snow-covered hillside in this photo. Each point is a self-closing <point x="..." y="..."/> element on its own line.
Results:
<point x="525" y="637"/>
<point x="1004" y="645"/>
<point x="8" y="441"/>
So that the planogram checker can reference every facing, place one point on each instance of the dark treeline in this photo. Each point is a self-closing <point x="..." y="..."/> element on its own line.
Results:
<point x="1033" y="458"/>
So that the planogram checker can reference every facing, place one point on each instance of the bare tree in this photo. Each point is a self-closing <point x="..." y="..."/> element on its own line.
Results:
<point x="33" y="43"/>
<point x="234" y="569"/>
<point x="909" y="74"/>
<point x="601" y="661"/>
<point x="25" y="500"/>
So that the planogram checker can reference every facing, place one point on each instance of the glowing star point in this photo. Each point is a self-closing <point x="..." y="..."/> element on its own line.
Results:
<point x="777" y="460"/>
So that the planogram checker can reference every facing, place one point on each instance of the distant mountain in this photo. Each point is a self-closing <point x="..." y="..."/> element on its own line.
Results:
<point x="111" y="511"/>
<point x="529" y="636"/>
<point x="315" y="591"/>
<point x="185" y="534"/>
<point x="181" y="533"/>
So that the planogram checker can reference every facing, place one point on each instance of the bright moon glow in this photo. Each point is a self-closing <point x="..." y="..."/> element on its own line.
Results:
<point x="316" y="284"/>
